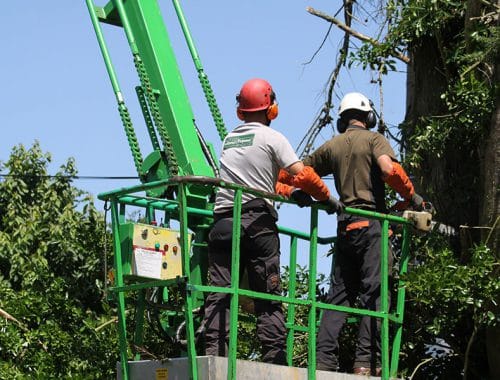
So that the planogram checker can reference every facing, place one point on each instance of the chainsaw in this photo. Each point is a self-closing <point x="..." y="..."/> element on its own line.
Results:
<point x="421" y="220"/>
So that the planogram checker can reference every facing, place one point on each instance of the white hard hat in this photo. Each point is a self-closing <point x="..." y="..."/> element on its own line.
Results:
<point x="354" y="100"/>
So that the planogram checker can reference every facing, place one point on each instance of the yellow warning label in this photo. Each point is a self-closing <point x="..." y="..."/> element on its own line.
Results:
<point x="162" y="374"/>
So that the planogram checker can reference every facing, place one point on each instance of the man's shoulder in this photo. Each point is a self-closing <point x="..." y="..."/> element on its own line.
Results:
<point x="370" y="135"/>
<point x="270" y="131"/>
<point x="271" y="136"/>
<point x="256" y="128"/>
<point x="378" y="137"/>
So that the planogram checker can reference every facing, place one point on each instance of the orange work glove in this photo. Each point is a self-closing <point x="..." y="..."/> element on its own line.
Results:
<point x="309" y="181"/>
<point x="284" y="177"/>
<point x="399" y="181"/>
<point x="283" y="189"/>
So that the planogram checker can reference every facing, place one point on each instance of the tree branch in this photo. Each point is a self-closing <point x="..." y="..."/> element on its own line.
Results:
<point x="420" y="365"/>
<point x="9" y="317"/>
<point x="354" y="33"/>
<point x="324" y="117"/>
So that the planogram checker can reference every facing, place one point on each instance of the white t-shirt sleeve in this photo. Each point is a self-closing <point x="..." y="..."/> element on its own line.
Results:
<point x="283" y="151"/>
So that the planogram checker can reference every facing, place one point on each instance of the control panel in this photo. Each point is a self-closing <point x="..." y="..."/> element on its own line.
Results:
<point x="151" y="251"/>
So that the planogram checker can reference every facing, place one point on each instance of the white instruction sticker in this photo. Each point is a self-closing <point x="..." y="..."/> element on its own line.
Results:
<point x="147" y="262"/>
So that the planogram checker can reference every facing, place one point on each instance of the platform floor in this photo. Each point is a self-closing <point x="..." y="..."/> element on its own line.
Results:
<point x="215" y="368"/>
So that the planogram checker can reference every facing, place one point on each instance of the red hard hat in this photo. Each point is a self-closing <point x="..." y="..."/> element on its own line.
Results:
<point x="255" y="95"/>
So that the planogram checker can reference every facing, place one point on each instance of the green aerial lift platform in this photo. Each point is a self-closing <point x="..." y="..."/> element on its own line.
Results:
<point x="178" y="180"/>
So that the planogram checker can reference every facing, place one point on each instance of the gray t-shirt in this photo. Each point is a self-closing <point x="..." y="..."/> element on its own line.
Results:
<point x="252" y="155"/>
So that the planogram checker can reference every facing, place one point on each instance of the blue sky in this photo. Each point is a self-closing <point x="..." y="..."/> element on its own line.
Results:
<point x="55" y="88"/>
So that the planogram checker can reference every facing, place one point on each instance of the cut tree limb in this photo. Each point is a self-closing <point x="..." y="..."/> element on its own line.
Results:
<point x="354" y="33"/>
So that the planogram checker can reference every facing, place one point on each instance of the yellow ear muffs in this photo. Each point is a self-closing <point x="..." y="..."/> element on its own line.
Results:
<point x="272" y="111"/>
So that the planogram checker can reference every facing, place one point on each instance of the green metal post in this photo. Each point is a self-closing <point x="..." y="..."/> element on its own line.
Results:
<point x="400" y="306"/>
<point x="199" y="262"/>
<point x="122" y="213"/>
<point x="235" y="284"/>
<point x="104" y="52"/>
<point x="139" y="322"/>
<point x="126" y="26"/>
<point x="291" y="294"/>
<point x="384" y="289"/>
<point x="191" y="348"/>
<point x="311" y="343"/>
<point x="122" y="328"/>
<point x="123" y="110"/>
<point x="187" y="35"/>
<point x="150" y="214"/>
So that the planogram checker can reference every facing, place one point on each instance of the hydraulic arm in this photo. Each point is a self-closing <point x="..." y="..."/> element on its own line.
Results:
<point x="178" y="147"/>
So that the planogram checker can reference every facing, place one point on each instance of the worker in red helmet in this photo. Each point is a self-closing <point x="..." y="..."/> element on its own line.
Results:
<point x="253" y="155"/>
<point x="360" y="161"/>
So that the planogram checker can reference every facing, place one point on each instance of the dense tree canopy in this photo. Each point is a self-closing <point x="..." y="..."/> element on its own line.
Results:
<point x="51" y="260"/>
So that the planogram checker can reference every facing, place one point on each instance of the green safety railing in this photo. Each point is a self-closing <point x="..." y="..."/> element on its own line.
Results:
<point x="180" y="211"/>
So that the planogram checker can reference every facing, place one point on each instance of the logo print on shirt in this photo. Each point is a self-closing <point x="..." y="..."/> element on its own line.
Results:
<point x="239" y="141"/>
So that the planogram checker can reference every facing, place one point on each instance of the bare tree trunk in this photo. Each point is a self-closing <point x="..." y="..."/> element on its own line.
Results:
<point x="491" y="177"/>
<point x="426" y="81"/>
<point x="490" y="213"/>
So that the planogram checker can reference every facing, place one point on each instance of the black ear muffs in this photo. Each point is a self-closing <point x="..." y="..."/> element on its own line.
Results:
<point x="341" y="125"/>
<point x="239" y="113"/>
<point x="371" y="120"/>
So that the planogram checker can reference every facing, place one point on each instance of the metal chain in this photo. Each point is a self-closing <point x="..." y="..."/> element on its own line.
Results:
<point x="131" y="137"/>
<point x="147" y="117"/>
<point x="155" y="111"/>
<point x="212" y="104"/>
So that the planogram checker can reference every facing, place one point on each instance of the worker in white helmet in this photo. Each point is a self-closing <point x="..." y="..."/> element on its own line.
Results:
<point x="360" y="161"/>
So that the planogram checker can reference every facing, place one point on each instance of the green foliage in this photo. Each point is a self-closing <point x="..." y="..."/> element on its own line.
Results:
<point x="248" y="344"/>
<point x="453" y="142"/>
<point x="441" y="280"/>
<point x="51" y="275"/>
<point x="450" y="299"/>
<point x="470" y="103"/>
<point x="421" y="18"/>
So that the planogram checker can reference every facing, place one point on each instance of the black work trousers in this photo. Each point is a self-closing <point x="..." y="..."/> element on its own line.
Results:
<point x="355" y="273"/>
<point x="260" y="256"/>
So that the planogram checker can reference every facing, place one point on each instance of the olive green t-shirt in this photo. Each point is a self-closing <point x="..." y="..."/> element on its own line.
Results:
<point x="352" y="159"/>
